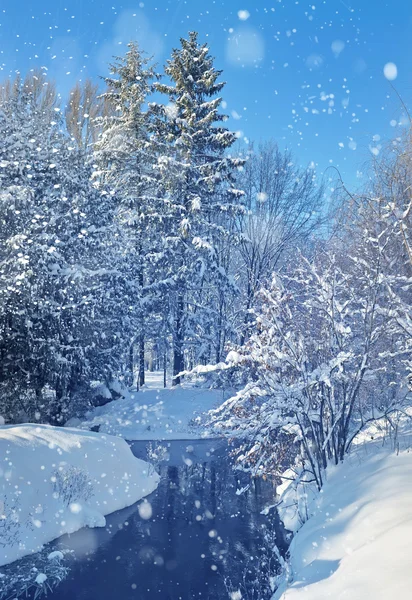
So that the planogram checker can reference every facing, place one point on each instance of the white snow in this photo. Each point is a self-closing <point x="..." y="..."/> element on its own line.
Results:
<point x="390" y="70"/>
<point x="55" y="555"/>
<point x="358" y="542"/>
<point x="55" y="481"/>
<point x="156" y="413"/>
<point x="243" y="15"/>
<point x="296" y="499"/>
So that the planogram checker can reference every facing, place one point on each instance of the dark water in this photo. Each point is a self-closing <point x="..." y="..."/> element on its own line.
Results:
<point x="197" y="539"/>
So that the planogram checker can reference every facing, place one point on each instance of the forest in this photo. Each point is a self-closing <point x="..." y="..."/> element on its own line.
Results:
<point x="138" y="234"/>
<point x="134" y="228"/>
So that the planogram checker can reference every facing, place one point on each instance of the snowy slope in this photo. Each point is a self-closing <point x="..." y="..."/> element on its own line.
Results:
<point x="55" y="481"/>
<point x="155" y="413"/>
<point x="358" y="543"/>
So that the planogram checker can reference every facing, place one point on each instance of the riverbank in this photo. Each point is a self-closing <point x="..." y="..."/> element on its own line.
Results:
<point x="357" y="542"/>
<point x="55" y="481"/>
<point x="155" y="412"/>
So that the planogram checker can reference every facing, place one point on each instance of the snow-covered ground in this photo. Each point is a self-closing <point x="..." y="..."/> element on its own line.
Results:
<point x="55" y="481"/>
<point x="358" y="542"/>
<point x="155" y="413"/>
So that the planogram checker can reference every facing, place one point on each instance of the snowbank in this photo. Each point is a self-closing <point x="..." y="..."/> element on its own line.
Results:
<point x="55" y="481"/>
<point x="296" y="499"/>
<point x="358" y="542"/>
<point x="155" y="413"/>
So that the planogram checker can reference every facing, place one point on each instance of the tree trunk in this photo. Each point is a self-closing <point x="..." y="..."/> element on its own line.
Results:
<point x="56" y="414"/>
<point x="141" y="358"/>
<point x="140" y="277"/>
<point x="178" y="357"/>
<point x="164" y="366"/>
<point x="131" y="363"/>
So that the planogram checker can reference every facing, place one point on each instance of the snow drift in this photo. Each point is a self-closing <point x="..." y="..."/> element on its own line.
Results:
<point x="55" y="481"/>
<point x="358" y="542"/>
<point x="155" y="413"/>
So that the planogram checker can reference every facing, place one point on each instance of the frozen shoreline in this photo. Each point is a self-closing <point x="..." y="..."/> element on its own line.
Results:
<point x="58" y="480"/>
<point x="357" y="542"/>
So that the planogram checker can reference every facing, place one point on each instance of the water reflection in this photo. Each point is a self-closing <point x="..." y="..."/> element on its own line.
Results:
<point x="185" y="541"/>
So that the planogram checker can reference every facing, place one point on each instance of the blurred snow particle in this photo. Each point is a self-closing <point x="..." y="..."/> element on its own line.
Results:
<point x="393" y="123"/>
<point x="145" y="510"/>
<point x="352" y="145"/>
<point x="243" y="15"/>
<point x="314" y="61"/>
<point x="337" y="47"/>
<point x="245" y="47"/>
<point x="56" y="555"/>
<point x="261" y="196"/>
<point x="41" y="578"/>
<point x="237" y="595"/>
<point x="390" y="70"/>
<point x="236" y="115"/>
<point x="75" y="508"/>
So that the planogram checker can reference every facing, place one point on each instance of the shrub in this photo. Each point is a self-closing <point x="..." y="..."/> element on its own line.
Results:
<point x="72" y="484"/>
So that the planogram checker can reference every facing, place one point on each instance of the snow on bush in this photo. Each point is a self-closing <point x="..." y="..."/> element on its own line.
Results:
<point x="33" y="576"/>
<point x="72" y="484"/>
<point x="55" y="481"/>
<point x="296" y="495"/>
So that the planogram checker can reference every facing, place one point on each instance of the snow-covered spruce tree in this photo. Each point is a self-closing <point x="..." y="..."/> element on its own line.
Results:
<point x="196" y="179"/>
<point x="124" y="162"/>
<point x="60" y="311"/>
<point x="316" y="364"/>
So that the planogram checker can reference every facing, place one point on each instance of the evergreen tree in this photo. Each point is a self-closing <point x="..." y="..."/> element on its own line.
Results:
<point x="196" y="178"/>
<point x="125" y="164"/>
<point x="58" y="325"/>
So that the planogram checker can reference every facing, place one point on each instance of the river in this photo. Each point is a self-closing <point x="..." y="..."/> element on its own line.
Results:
<point x="196" y="536"/>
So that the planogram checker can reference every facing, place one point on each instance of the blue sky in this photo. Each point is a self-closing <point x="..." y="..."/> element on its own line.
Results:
<point x="308" y="74"/>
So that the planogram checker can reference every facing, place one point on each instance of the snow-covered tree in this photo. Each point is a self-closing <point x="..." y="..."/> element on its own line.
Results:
<point x="325" y="358"/>
<point x="388" y="219"/>
<point x="83" y="114"/>
<point x="196" y="178"/>
<point x="285" y="208"/>
<point x="61" y="303"/>
<point x="124" y="159"/>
